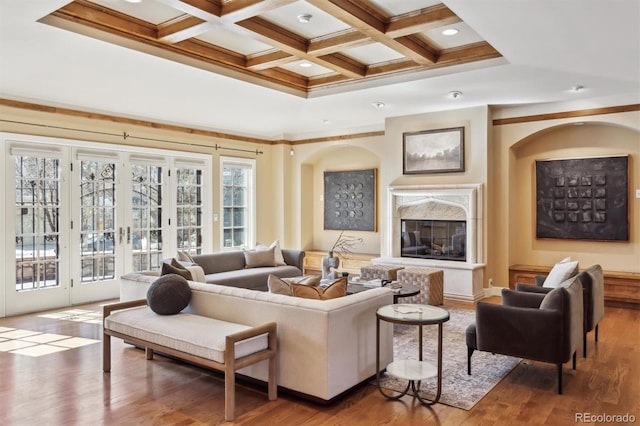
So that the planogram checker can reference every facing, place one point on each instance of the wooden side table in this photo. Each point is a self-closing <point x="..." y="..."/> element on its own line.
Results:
<point x="412" y="370"/>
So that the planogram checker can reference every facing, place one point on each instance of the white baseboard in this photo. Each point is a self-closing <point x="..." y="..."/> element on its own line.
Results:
<point x="492" y="291"/>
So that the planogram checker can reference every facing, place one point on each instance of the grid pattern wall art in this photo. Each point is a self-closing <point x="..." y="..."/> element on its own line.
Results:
<point x="583" y="198"/>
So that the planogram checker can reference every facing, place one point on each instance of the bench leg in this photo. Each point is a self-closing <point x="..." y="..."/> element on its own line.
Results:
<point x="148" y="352"/>
<point x="273" y="385"/>
<point x="229" y="394"/>
<point x="106" y="353"/>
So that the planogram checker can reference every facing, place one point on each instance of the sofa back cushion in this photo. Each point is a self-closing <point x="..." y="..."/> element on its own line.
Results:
<point x="259" y="258"/>
<point x="213" y="263"/>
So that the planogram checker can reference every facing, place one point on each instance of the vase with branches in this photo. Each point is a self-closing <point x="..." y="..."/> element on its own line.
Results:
<point x="342" y="247"/>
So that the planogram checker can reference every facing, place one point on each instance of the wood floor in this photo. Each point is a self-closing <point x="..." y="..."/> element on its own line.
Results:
<point x="69" y="388"/>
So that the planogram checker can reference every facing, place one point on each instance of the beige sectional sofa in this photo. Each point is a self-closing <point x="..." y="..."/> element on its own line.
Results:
<point x="325" y="347"/>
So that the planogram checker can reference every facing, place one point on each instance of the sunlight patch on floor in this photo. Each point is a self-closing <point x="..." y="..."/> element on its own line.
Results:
<point x="36" y="343"/>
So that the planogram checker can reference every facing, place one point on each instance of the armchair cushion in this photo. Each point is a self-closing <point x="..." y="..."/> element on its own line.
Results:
<point x="561" y="272"/>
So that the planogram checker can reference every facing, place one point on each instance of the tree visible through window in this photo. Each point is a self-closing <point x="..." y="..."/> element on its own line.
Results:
<point x="189" y="210"/>
<point x="237" y="194"/>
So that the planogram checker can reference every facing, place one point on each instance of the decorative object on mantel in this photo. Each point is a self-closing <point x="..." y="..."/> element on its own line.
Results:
<point x="343" y="246"/>
<point x="433" y="151"/>
<point x="350" y="200"/>
<point x="583" y="198"/>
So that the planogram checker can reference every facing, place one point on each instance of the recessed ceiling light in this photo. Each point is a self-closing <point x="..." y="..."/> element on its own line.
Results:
<point x="379" y="105"/>
<point x="325" y="121"/>
<point x="305" y="18"/>
<point x="305" y="64"/>
<point x="133" y="1"/>
<point x="577" y="88"/>
<point x="450" y="31"/>
<point x="456" y="94"/>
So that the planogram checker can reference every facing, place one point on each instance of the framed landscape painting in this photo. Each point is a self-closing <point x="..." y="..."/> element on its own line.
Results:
<point x="433" y="151"/>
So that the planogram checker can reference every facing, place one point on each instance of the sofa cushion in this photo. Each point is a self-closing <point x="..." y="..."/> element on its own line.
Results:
<point x="337" y="288"/>
<point x="184" y="256"/>
<point x="259" y="258"/>
<point x="174" y="267"/>
<point x="277" y="253"/>
<point x="560" y="272"/>
<point x="169" y="294"/>
<point x="283" y="285"/>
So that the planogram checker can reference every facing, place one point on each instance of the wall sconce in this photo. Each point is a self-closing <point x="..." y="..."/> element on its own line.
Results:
<point x="292" y="152"/>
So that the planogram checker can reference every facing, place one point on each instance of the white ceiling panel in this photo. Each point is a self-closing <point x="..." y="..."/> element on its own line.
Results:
<point x="373" y="53"/>
<point x="220" y="36"/>
<point x="154" y="15"/>
<point x="320" y="24"/>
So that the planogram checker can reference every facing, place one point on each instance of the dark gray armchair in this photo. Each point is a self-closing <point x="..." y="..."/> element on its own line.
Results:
<point x="592" y="280"/>
<point x="540" y="327"/>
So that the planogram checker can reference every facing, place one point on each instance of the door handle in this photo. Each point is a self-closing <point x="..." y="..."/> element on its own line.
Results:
<point x="121" y="234"/>
<point x="128" y="234"/>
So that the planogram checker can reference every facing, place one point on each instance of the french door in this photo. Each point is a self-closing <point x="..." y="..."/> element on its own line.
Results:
<point x="78" y="218"/>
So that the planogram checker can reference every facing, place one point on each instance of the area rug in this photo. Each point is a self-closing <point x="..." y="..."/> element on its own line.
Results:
<point x="458" y="389"/>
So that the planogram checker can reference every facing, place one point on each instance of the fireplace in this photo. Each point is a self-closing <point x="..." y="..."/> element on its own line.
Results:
<point x="433" y="239"/>
<point x="438" y="226"/>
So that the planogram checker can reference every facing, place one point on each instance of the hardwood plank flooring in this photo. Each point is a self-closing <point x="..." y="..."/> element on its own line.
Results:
<point x="69" y="388"/>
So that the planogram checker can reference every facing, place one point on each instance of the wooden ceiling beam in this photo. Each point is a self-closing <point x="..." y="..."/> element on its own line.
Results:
<point x="203" y="9"/>
<point x="239" y="10"/>
<point x="374" y="28"/>
<point x="291" y="43"/>
<point x="424" y="20"/>
<point x="344" y="62"/>
<point x="95" y="16"/>
<point x="468" y="53"/>
<point x="182" y="28"/>
<point x="269" y="60"/>
<point x="337" y="42"/>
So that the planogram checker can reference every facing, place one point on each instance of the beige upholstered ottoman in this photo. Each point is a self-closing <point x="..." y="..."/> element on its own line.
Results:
<point x="383" y="272"/>
<point x="429" y="281"/>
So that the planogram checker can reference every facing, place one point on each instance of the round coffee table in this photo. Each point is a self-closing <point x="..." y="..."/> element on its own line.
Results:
<point x="412" y="370"/>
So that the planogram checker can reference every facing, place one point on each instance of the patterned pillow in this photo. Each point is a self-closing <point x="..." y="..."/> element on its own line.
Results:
<point x="169" y="294"/>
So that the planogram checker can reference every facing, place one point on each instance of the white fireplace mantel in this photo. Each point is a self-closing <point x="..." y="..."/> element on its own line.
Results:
<point x="463" y="280"/>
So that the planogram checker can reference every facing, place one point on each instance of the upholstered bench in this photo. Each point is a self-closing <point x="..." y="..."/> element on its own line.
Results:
<point x="221" y="345"/>
<point x="382" y="272"/>
<point x="430" y="282"/>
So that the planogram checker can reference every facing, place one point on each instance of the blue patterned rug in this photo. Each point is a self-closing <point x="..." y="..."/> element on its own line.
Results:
<point x="458" y="389"/>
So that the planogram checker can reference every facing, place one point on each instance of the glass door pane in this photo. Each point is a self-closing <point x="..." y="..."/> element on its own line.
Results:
<point x="37" y="277"/>
<point x="98" y="226"/>
<point x="146" y="217"/>
<point x="37" y="205"/>
<point x="189" y="210"/>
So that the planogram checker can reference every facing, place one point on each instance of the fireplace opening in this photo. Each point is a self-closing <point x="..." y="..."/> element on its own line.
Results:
<point x="434" y="239"/>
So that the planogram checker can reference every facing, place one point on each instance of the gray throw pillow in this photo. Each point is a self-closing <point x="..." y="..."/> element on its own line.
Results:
<point x="175" y="267"/>
<point x="169" y="294"/>
<point x="259" y="258"/>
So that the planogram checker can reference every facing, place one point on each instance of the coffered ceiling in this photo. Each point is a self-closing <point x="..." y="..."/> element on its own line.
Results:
<point x="294" y="46"/>
<point x="233" y="67"/>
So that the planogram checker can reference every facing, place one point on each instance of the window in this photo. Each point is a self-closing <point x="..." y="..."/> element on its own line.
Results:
<point x="146" y="216"/>
<point x="189" y="209"/>
<point x="98" y="220"/>
<point x="238" y="216"/>
<point x="37" y="186"/>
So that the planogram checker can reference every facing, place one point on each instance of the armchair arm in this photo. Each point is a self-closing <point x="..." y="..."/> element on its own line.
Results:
<point x="521" y="299"/>
<point x="523" y="332"/>
<point x="539" y="280"/>
<point x="532" y="288"/>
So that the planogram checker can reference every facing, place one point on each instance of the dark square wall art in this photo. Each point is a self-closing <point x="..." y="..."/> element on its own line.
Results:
<point x="583" y="198"/>
<point x="350" y="200"/>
